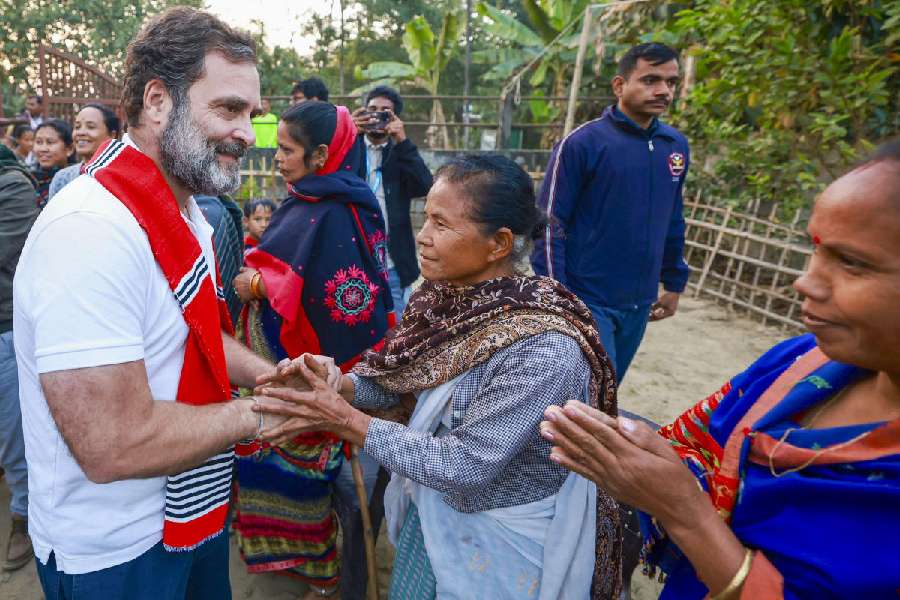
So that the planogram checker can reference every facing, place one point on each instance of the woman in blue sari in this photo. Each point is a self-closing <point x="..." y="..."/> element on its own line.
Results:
<point x="792" y="485"/>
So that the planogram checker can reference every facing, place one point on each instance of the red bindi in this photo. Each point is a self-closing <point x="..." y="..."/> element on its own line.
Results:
<point x="817" y="240"/>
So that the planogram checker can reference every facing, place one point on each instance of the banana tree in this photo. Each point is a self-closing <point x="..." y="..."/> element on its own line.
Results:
<point x="428" y="57"/>
<point x="547" y="19"/>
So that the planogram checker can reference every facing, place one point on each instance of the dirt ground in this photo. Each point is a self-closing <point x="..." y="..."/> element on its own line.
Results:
<point x="681" y="360"/>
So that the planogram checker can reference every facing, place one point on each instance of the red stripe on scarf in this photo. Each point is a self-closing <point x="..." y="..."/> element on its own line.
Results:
<point x="344" y="138"/>
<point x="134" y="179"/>
<point x="285" y="291"/>
<point x="189" y="535"/>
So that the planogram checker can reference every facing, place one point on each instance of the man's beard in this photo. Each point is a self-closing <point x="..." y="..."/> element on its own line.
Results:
<point x="192" y="158"/>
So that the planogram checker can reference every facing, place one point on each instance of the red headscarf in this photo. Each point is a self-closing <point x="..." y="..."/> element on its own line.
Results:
<point x="344" y="138"/>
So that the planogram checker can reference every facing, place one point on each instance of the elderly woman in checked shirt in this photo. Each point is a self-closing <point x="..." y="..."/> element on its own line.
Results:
<point x="474" y="507"/>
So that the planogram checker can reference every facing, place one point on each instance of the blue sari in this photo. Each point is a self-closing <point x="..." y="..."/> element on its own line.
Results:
<point x="820" y="506"/>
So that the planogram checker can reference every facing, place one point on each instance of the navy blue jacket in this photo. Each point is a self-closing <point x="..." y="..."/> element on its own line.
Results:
<point x="405" y="176"/>
<point x="612" y="191"/>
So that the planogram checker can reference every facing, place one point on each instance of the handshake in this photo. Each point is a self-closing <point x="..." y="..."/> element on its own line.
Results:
<point x="308" y="393"/>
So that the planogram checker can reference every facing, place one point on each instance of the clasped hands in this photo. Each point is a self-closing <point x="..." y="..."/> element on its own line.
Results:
<point x="305" y="392"/>
<point x="625" y="457"/>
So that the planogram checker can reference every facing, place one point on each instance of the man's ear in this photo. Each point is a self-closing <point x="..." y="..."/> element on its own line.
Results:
<point x="618" y="82"/>
<point x="157" y="102"/>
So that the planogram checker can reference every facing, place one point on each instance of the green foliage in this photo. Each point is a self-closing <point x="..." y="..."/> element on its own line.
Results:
<point x="505" y="26"/>
<point x="428" y="57"/>
<point x="552" y="28"/>
<point x="97" y="31"/>
<point x="788" y="92"/>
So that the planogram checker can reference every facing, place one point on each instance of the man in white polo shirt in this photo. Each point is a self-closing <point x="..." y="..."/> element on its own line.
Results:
<point x="124" y="367"/>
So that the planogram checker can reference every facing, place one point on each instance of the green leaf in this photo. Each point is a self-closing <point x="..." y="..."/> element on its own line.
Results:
<point x="447" y="40"/>
<point x="359" y="91"/>
<point x="502" y="71"/>
<point x="418" y="40"/>
<point x="506" y="27"/>
<point x="537" y="78"/>
<point x="492" y="56"/>
<point x="387" y="69"/>
<point x="540" y="19"/>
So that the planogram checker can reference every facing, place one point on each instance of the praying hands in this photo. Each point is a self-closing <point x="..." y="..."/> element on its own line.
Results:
<point x="638" y="467"/>
<point x="625" y="457"/>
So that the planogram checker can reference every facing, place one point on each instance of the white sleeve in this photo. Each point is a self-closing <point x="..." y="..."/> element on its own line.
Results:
<point x="87" y="279"/>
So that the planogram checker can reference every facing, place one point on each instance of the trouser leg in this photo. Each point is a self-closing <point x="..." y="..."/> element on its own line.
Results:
<point x="154" y="575"/>
<point x="632" y="324"/>
<point x="208" y="578"/>
<point x="12" y="442"/>
<point x="605" y="320"/>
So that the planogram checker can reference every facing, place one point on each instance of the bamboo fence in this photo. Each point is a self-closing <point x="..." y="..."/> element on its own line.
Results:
<point x="747" y="260"/>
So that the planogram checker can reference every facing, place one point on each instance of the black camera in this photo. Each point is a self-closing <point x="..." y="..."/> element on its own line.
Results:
<point x="382" y="117"/>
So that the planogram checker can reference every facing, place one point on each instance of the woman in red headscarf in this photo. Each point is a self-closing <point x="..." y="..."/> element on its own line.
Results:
<point x="316" y="283"/>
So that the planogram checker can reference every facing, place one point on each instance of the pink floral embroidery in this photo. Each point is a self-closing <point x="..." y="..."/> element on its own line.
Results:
<point x="351" y="296"/>
<point x="378" y="244"/>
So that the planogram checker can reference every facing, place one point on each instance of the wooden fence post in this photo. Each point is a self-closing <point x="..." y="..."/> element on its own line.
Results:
<point x="579" y="66"/>
<point x="712" y="253"/>
<point x="504" y="129"/>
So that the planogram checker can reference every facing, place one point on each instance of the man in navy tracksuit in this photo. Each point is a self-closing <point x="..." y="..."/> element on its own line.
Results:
<point x="612" y="191"/>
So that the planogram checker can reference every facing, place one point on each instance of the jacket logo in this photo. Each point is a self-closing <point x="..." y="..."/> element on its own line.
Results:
<point x="676" y="164"/>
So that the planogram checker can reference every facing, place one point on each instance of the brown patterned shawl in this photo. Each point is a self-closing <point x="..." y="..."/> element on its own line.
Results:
<point x="448" y="330"/>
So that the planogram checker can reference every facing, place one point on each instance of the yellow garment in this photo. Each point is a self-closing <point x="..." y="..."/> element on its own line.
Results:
<point x="266" y="129"/>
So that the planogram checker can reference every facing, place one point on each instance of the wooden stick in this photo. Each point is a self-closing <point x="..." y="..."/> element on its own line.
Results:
<point x="368" y="534"/>
<point x="579" y="64"/>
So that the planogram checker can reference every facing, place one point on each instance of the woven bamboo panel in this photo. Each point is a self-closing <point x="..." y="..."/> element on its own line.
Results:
<point x="746" y="261"/>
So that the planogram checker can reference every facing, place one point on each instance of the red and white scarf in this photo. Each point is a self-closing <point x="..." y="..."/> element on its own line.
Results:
<point x="196" y="500"/>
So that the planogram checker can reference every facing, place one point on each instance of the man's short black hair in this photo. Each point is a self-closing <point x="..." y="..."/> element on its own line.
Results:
<point x="312" y="88"/>
<point x="385" y="91"/>
<point x="653" y="52"/>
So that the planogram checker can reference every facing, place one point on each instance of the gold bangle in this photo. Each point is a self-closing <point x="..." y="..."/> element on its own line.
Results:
<point x="254" y="286"/>
<point x="738" y="580"/>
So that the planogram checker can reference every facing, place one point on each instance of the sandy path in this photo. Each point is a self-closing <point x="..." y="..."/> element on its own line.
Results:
<point x="681" y="360"/>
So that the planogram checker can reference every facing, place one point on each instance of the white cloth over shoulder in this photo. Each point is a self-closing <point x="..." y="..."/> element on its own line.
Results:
<point x="543" y="550"/>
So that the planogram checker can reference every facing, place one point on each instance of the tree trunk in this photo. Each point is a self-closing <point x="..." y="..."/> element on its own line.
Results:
<point x="438" y="136"/>
<point x="552" y="135"/>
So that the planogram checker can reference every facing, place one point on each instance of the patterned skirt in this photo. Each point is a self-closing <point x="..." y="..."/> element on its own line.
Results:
<point x="411" y="576"/>
<point x="285" y="520"/>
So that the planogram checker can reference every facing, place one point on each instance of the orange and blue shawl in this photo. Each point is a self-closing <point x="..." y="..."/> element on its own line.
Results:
<point x="821" y="507"/>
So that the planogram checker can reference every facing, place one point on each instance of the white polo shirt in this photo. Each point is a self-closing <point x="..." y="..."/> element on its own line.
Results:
<point x="88" y="292"/>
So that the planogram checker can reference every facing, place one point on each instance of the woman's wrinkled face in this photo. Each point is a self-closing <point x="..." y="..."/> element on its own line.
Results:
<point x="90" y="132"/>
<point x="49" y="148"/>
<point x="453" y="247"/>
<point x="25" y="143"/>
<point x="852" y="284"/>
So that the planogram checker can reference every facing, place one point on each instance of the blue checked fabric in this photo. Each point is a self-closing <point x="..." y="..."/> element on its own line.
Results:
<point x="492" y="456"/>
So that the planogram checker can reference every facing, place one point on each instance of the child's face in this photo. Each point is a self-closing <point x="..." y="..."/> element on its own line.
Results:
<point x="258" y="221"/>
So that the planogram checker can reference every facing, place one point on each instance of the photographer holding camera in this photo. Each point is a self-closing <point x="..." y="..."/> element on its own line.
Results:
<point x="394" y="169"/>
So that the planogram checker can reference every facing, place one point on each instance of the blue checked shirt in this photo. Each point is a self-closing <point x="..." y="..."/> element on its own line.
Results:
<point x="492" y="456"/>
